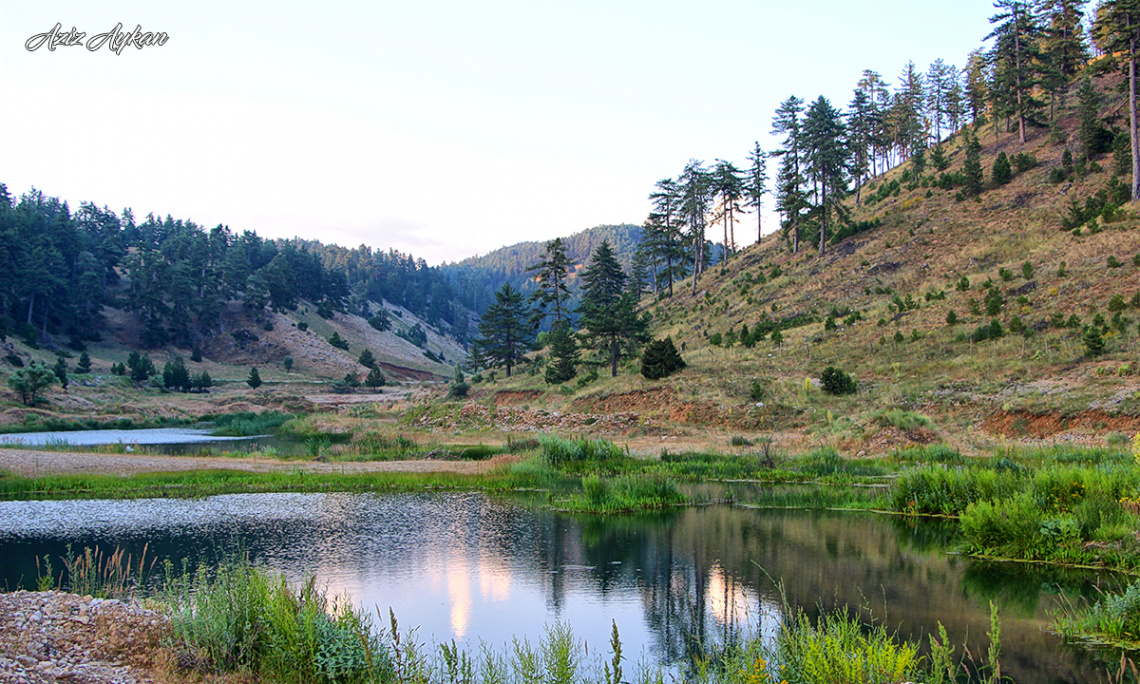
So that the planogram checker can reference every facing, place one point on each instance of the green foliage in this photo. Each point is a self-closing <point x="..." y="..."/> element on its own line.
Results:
<point x="287" y="363"/>
<point x="1002" y="172"/>
<point x="504" y="334"/>
<point x="661" y="359"/>
<point x="381" y="320"/>
<point x="141" y="367"/>
<point x="937" y="490"/>
<point x="375" y="378"/>
<point x="254" y="378"/>
<point x="30" y="382"/>
<point x="559" y="452"/>
<point x="837" y="648"/>
<point x="758" y="391"/>
<point x="835" y="381"/>
<point x="84" y="365"/>
<point x="1027" y="270"/>
<point x="564" y="355"/>
<point x="175" y="376"/>
<point x="608" y="311"/>
<point x="901" y="419"/>
<point x="972" y="168"/>
<point x="337" y="341"/>
<point x="60" y="371"/>
<point x="951" y="318"/>
<point x="963" y="284"/>
<point x="366" y="359"/>
<point x="1094" y="340"/>
<point x="240" y="619"/>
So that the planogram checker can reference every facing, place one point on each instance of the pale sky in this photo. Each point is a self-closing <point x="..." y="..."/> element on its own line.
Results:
<point x="437" y="127"/>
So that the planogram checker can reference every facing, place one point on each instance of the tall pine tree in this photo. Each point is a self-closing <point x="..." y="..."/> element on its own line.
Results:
<point x="506" y="336"/>
<point x="607" y="312"/>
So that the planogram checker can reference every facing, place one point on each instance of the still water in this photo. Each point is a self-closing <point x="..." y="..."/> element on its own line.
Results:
<point x="473" y="568"/>
<point x="169" y="440"/>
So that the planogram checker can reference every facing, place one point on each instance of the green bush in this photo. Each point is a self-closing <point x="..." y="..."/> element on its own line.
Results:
<point x="661" y="359"/>
<point x="835" y="381"/>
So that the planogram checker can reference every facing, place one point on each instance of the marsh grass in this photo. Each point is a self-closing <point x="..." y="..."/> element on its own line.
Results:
<point x="93" y="572"/>
<point x="247" y="423"/>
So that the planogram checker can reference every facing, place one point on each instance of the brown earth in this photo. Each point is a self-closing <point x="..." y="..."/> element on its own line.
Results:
<point x="1017" y="424"/>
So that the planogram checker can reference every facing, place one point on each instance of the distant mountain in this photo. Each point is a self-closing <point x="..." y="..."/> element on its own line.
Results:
<point x="483" y="275"/>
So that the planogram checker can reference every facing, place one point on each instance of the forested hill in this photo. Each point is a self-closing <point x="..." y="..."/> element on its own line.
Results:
<point x="59" y="268"/>
<point x="486" y="274"/>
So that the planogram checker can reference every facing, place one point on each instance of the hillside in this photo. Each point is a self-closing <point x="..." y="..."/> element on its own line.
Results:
<point x="876" y="306"/>
<point x="487" y="273"/>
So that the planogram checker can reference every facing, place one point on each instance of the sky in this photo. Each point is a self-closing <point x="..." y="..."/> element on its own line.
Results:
<point x="439" y="128"/>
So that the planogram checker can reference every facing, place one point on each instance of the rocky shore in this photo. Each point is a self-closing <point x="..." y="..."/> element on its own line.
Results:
<point x="52" y="636"/>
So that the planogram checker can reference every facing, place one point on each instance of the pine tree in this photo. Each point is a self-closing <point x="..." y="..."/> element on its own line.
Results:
<point x="861" y="132"/>
<point x="1118" y="29"/>
<point x="60" y="370"/>
<point x="696" y="195"/>
<point x="661" y="359"/>
<point x="1016" y="56"/>
<point x="1002" y="173"/>
<point x="727" y="182"/>
<point x="506" y="336"/>
<point x="375" y="378"/>
<point x="367" y="359"/>
<point x="175" y="376"/>
<point x="84" y="365"/>
<point x="977" y="88"/>
<point x="828" y="160"/>
<point x="607" y="310"/>
<point x="756" y="186"/>
<point x="662" y="231"/>
<point x="972" y="167"/>
<point x="563" y="354"/>
<point x="1088" y="128"/>
<point x="791" y="199"/>
<point x="553" y="292"/>
<point x="254" y="378"/>
<point x="938" y="158"/>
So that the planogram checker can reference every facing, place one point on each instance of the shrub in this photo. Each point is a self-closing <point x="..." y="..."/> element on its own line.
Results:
<point x="901" y="419"/>
<point x="757" y="391"/>
<point x="835" y="381"/>
<point x="1094" y="341"/>
<point x="366" y="359"/>
<point x="1002" y="173"/>
<point x="337" y="341"/>
<point x="661" y="359"/>
<point x="1113" y="262"/>
<point x="254" y="378"/>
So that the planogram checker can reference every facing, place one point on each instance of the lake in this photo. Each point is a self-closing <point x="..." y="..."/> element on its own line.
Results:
<point x="474" y="568"/>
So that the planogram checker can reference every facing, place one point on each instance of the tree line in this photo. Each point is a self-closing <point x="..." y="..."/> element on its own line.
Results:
<point x="59" y="268"/>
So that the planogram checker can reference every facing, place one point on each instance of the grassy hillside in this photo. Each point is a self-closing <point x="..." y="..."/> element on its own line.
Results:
<point x="888" y="292"/>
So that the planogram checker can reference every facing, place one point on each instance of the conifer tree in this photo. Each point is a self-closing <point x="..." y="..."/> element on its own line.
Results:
<point x="1088" y="128"/>
<point x="84" y="364"/>
<point x="756" y="186"/>
<point x="1016" y="56"/>
<point x="60" y="370"/>
<point x="1002" y="171"/>
<point x="375" y="378"/>
<point x="827" y="155"/>
<point x="727" y="183"/>
<point x="695" y="188"/>
<point x="552" y="293"/>
<point x="1118" y="29"/>
<point x="505" y="334"/>
<point x="791" y="199"/>
<point x="608" y="314"/>
<point x="662" y="231"/>
<point x="861" y="132"/>
<point x="972" y="167"/>
<point x="563" y="354"/>
<point x="254" y="378"/>
<point x="977" y="88"/>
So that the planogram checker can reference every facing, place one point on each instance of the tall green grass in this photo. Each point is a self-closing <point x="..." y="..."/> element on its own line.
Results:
<point x="247" y="423"/>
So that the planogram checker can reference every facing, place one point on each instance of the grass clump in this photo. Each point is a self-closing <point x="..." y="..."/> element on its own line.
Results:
<point x="838" y="648"/>
<point x="241" y="619"/>
<point x="558" y="451"/>
<point x="901" y="419"/>
<point x="625" y="494"/>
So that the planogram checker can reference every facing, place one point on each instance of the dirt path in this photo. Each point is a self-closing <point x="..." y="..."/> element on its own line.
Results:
<point x="30" y="463"/>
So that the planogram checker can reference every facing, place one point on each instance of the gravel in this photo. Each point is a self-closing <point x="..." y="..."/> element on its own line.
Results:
<point x="53" y="636"/>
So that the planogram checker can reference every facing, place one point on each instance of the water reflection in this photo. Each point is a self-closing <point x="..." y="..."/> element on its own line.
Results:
<point x="471" y="568"/>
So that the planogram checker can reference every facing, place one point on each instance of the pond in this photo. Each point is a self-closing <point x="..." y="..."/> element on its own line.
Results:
<point x="473" y="568"/>
<point x="168" y="440"/>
